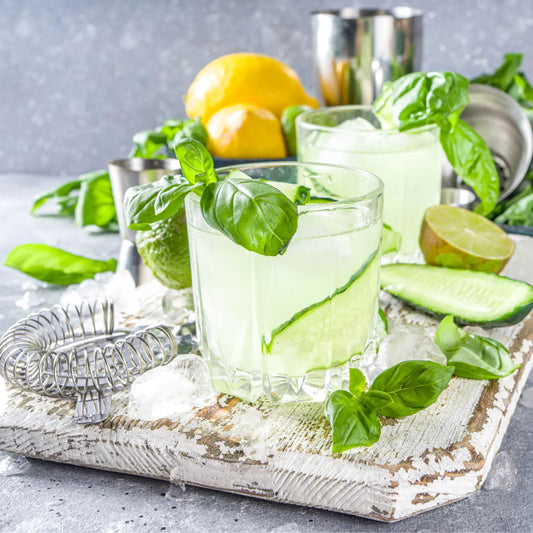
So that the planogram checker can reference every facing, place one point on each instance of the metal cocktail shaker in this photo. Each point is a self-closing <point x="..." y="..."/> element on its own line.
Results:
<point x="357" y="50"/>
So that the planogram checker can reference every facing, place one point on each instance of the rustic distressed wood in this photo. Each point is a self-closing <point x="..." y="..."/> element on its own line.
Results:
<point x="283" y="453"/>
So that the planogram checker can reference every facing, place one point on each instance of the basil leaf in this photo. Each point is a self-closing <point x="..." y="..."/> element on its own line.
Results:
<point x="521" y="90"/>
<point x="504" y="75"/>
<point x="149" y="144"/>
<point x="251" y="213"/>
<point x="67" y="205"/>
<point x="383" y="106"/>
<point x="376" y="399"/>
<point x="95" y="201"/>
<point x="196" y="162"/>
<point x="428" y="98"/>
<point x="411" y="385"/>
<point x="170" y="127"/>
<point x="518" y="210"/>
<point x="357" y="382"/>
<point x="152" y="202"/>
<point x="54" y="265"/>
<point x="61" y="193"/>
<point x="352" y="422"/>
<point x="192" y="129"/>
<point x="471" y="159"/>
<point x="473" y="356"/>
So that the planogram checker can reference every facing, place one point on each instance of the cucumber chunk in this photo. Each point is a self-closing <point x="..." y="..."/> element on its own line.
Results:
<point x="472" y="297"/>
<point x="330" y="332"/>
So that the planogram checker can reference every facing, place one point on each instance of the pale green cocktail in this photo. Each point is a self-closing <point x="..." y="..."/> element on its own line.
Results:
<point x="286" y="325"/>
<point x="408" y="163"/>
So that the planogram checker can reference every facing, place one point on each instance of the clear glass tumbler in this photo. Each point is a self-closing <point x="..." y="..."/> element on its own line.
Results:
<point x="286" y="326"/>
<point x="408" y="163"/>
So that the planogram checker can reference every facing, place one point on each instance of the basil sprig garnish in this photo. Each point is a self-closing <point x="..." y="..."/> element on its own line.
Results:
<point x="399" y="391"/>
<point x="252" y="213"/>
<point x="473" y="356"/>
<point x="424" y="98"/>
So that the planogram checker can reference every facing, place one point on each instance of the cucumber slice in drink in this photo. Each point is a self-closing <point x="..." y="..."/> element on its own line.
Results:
<point x="299" y="194"/>
<point x="330" y="332"/>
<point x="471" y="297"/>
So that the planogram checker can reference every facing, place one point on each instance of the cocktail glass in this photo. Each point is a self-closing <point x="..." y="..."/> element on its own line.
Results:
<point x="286" y="326"/>
<point x="408" y="163"/>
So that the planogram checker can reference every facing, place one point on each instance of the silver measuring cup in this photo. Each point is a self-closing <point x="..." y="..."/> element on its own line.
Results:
<point x="126" y="173"/>
<point x="357" y="50"/>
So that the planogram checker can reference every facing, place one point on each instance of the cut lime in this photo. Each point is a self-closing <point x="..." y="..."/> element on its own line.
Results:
<point x="330" y="332"/>
<point x="457" y="238"/>
<point x="165" y="251"/>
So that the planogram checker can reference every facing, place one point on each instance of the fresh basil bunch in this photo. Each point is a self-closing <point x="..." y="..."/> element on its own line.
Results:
<point x="473" y="356"/>
<point x="410" y="386"/>
<point x="399" y="391"/>
<point x="421" y="99"/>
<point x="89" y="199"/>
<point x="159" y="143"/>
<point x="252" y="213"/>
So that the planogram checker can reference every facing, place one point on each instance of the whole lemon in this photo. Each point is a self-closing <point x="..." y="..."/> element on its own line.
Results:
<point x="245" y="131"/>
<point x="245" y="78"/>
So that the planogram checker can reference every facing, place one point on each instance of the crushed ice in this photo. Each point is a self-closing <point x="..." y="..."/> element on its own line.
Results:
<point x="13" y="465"/>
<point x="171" y="390"/>
<point x="249" y="426"/>
<point x="405" y="342"/>
<point x="178" y="305"/>
<point x="502" y="475"/>
<point x="175" y="490"/>
<point x="120" y="287"/>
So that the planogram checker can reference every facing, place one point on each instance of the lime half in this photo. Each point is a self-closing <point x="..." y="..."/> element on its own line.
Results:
<point x="457" y="238"/>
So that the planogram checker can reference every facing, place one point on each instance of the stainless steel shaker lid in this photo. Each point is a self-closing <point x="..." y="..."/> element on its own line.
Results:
<point x="504" y="126"/>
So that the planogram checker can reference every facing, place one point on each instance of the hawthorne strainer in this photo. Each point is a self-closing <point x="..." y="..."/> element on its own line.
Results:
<point x="75" y="352"/>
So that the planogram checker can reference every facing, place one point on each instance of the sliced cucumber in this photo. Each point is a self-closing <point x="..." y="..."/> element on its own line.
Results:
<point x="471" y="297"/>
<point x="330" y="332"/>
<point x="299" y="194"/>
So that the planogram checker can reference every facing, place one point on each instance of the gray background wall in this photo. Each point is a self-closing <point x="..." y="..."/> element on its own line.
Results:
<point x="78" y="78"/>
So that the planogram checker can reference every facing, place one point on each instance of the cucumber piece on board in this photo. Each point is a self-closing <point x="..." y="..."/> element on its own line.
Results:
<point x="330" y="332"/>
<point x="472" y="297"/>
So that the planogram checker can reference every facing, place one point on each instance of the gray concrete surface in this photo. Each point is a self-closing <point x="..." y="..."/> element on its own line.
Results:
<point x="78" y="79"/>
<point x="38" y="496"/>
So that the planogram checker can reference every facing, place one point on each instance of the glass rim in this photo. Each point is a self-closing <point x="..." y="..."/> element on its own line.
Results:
<point x="303" y="123"/>
<point x="376" y="190"/>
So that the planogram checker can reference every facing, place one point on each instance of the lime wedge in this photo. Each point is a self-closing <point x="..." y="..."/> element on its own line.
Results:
<point x="457" y="238"/>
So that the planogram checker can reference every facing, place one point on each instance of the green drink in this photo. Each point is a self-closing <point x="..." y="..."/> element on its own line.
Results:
<point x="409" y="163"/>
<point x="286" y="325"/>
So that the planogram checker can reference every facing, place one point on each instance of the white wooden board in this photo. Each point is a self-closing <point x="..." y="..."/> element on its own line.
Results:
<point x="283" y="453"/>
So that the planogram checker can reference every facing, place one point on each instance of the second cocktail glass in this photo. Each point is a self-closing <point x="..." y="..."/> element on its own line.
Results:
<point x="408" y="163"/>
<point x="286" y="326"/>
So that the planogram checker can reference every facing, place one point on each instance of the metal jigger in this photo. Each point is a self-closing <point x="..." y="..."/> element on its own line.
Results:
<point x="357" y="50"/>
<point x="126" y="173"/>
